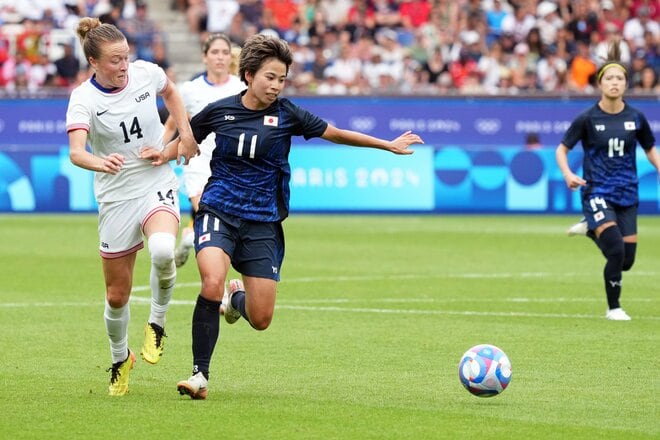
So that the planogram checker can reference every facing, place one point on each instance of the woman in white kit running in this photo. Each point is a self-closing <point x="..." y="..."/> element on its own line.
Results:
<point x="116" y="113"/>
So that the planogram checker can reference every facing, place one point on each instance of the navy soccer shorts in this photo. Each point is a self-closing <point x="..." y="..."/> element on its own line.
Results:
<point x="256" y="249"/>
<point x="598" y="211"/>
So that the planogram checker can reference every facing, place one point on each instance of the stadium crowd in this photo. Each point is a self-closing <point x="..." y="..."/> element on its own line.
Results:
<point x="365" y="46"/>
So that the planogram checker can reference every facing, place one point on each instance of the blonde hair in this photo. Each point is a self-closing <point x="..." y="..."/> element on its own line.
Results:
<point x="235" y="56"/>
<point x="92" y="34"/>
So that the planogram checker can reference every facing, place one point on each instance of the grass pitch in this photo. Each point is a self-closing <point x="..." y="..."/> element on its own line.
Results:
<point x="373" y="315"/>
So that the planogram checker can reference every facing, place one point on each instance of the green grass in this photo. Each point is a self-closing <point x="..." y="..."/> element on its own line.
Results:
<point x="373" y="315"/>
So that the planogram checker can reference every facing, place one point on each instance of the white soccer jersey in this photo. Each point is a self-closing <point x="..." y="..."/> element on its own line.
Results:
<point x="197" y="94"/>
<point x="123" y="121"/>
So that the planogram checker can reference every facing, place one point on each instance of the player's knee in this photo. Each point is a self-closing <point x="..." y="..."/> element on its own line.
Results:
<point x="261" y="320"/>
<point x="213" y="288"/>
<point x="612" y="246"/>
<point x="117" y="296"/>
<point x="629" y="258"/>
<point x="161" y="249"/>
<point x="261" y="324"/>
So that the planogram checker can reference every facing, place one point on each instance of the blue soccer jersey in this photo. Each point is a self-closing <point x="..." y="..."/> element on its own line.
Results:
<point x="610" y="144"/>
<point x="250" y="169"/>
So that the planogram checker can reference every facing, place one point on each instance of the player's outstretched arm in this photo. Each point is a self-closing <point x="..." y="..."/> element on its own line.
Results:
<point x="348" y="137"/>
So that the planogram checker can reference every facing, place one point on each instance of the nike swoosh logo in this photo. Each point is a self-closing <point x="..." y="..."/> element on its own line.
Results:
<point x="100" y="113"/>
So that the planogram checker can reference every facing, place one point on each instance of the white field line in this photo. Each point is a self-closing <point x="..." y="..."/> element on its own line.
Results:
<point x="145" y="301"/>
<point x="308" y="305"/>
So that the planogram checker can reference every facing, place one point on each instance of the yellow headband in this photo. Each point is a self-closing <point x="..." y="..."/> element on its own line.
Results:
<point x="608" y="65"/>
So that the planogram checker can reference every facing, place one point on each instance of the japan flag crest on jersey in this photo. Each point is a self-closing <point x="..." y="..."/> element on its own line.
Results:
<point x="629" y="125"/>
<point x="270" y="120"/>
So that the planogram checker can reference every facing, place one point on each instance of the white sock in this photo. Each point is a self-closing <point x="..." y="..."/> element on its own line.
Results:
<point x="116" y="325"/>
<point x="163" y="275"/>
<point x="188" y="240"/>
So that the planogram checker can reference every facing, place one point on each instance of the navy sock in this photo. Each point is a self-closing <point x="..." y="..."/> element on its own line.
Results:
<point x="629" y="259"/>
<point x="238" y="302"/>
<point x="611" y="243"/>
<point x="205" y="331"/>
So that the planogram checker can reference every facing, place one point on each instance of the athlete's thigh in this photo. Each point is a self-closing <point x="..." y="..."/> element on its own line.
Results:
<point x="119" y="228"/>
<point x="159" y="211"/>
<point x="213" y="264"/>
<point x="260" y="293"/>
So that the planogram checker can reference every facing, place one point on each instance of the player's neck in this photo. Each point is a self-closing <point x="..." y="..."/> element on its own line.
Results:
<point x="609" y="105"/>
<point x="216" y="80"/>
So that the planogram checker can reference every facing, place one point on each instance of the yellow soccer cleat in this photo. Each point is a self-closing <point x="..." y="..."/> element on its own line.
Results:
<point x="119" y="376"/>
<point x="152" y="347"/>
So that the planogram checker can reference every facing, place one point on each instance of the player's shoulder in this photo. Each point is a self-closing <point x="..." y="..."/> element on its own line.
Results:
<point x="630" y="109"/>
<point x="81" y="92"/>
<point x="143" y="65"/>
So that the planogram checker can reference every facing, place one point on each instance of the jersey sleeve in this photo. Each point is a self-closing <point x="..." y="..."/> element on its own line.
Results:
<point x="157" y="74"/>
<point x="78" y="113"/>
<point x="575" y="131"/>
<point x="310" y="125"/>
<point x="645" y="134"/>
<point x="201" y="123"/>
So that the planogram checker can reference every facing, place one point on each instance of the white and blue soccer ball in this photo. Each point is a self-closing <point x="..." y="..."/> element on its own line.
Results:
<point x="484" y="370"/>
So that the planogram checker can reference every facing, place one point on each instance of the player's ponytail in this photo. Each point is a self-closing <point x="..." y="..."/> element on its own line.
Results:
<point x="613" y="59"/>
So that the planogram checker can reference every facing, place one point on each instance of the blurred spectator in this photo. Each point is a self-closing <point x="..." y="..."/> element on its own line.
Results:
<point x="533" y="141"/>
<point x="41" y="73"/>
<point x="519" y="24"/>
<point x="28" y="42"/>
<point x="609" y="17"/>
<point x="462" y="68"/>
<point x="551" y="71"/>
<point x="220" y="14"/>
<point x="15" y="72"/>
<point x="584" y="22"/>
<point x="648" y="81"/>
<point x="549" y="22"/>
<point x="635" y="28"/>
<point x="332" y="85"/>
<point x="581" y="69"/>
<point x="490" y="66"/>
<point x="66" y="67"/>
<point x="414" y="13"/>
<point x="386" y="14"/>
<point x="346" y="67"/>
<point x="651" y="50"/>
<point x="612" y="36"/>
<point x="141" y="32"/>
<point x="281" y="12"/>
<point x="495" y="18"/>
<point x="196" y="16"/>
<point x="436" y="65"/>
<point x="652" y="6"/>
<point x="637" y="66"/>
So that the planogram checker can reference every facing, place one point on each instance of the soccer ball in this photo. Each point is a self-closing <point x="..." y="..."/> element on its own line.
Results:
<point x="484" y="370"/>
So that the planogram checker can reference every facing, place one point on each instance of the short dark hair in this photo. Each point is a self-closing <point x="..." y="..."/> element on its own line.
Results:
<point x="259" y="48"/>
